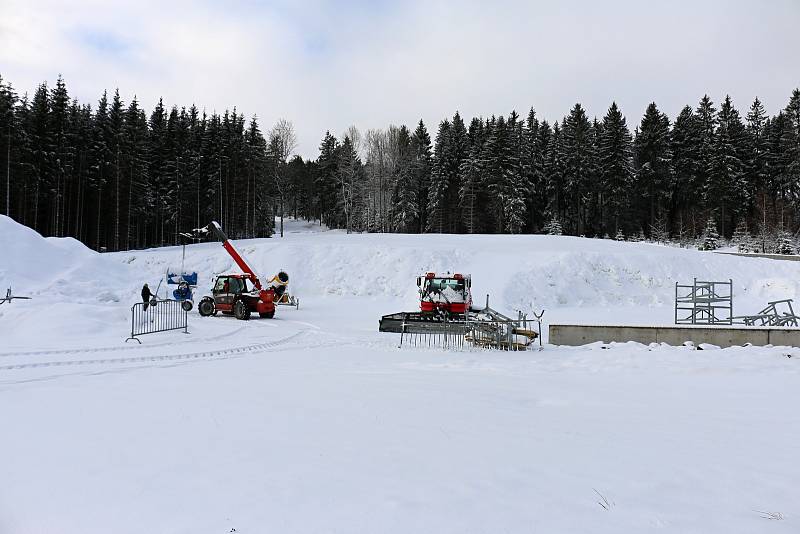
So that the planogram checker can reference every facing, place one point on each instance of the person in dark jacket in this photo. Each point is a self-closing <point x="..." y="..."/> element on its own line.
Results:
<point x="146" y="296"/>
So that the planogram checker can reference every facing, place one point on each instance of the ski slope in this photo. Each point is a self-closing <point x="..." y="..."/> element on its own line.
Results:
<point x="315" y="422"/>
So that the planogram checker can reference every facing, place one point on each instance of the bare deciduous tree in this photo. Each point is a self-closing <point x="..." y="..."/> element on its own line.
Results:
<point x="282" y="143"/>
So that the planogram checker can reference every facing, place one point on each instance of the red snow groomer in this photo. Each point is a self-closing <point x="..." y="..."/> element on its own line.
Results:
<point x="442" y="298"/>
<point x="445" y="294"/>
<point x="446" y="317"/>
<point x="237" y="294"/>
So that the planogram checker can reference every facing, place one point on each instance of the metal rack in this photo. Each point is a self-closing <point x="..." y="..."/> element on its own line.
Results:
<point x="704" y="302"/>
<point x="772" y="316"/>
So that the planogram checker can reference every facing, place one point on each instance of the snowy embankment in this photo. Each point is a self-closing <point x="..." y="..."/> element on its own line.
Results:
<point x="574" y="279"/>
<point x="315" y="422"/>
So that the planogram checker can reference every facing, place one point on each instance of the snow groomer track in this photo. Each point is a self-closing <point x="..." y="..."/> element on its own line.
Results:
<point x="219" y="353"/>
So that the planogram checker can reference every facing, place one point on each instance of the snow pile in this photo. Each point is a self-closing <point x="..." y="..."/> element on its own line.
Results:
<point x="519" y="272"/>
<point x="61" y="269"/>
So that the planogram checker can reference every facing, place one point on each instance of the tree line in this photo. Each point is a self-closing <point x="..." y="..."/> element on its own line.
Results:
<point x="116" y="178"/>
<point x="582" y="176"/>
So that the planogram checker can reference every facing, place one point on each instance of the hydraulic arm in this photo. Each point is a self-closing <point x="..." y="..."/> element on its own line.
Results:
<point x="216" y="229"/>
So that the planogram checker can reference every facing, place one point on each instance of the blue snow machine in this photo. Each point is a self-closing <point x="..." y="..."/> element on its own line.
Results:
<point x="183" y="293"/>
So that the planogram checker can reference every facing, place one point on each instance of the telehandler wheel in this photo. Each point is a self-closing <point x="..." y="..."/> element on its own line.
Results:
<point x="241" y="311"/>
<point x="267" y="315"/>
<point x="206" y="307"/>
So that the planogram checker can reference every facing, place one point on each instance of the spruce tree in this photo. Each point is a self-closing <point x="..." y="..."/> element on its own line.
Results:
<point x="725" y="189"/>
<point x="741" y="237"/>
<point x="404" y="197"/>
<point x="616" y="167"/>
<point x="472" y="170"/>
<point x="7" y="103"/>
<point x="440" y="180"/>
<point x="710" y="237"/>
<point x="755" y="160"/>
<point x="513" y="185"/>
<point x="115" y="137"/>
<point x="707" y="126"/>
<point x="554" y="172"/>
<point x="328" y="194"/>
<point x="654" y="162"/>
<point x="687" y="163"/>
<point x="421" y="163"/>
<point x="785" y="244"/>
<point x="659" y="232"/>
<point x="576" y="145"/>
<point x="60" y="154"/>
<point x="553" y="227"/>
<point x="790" y="147"/>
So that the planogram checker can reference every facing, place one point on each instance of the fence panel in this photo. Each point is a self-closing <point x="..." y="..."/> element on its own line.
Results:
<point x="157" y="316"/>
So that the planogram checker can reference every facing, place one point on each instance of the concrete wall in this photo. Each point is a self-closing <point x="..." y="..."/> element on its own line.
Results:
<point x="787" y="257"/>
<point x="575" y="335"/>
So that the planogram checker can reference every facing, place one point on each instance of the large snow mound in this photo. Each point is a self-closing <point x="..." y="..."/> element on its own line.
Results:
<point x="58" y="268"/>
<point x="519" y="272"/>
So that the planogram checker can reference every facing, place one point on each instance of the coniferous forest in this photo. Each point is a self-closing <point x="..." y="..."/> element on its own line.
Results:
<point x="117" y="177"/>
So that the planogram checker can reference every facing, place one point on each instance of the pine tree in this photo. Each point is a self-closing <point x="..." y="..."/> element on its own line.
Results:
<point x="725" y="187"/>
<point x="576" y="153"/>
<point x="553" y="227"/>
<point x="616" y="167"/>
<point x="421" y="163"/>
<point x="785" y="243"/>
<point x="349" y="177"/>
<point x="328" y="194"/>
<point x="440" y="180"/>
<point x="741" y="237"/>
<point x="710" y="237"/>
<point x="554" y="171"/>
<point x="158" y="186"/>
<point x="115" y="137"/>
<point x="659" y="231"/>
<point x="60" y="154"/>
<point x="7" y="103"/>
<point x="136" y="169"/>
<point x="512" y="183"/>
<point x="404" y="198"/>
<point x="755" y="161"/>
<point x="790" y="147"/>
<point x="532" y="166"/>
<point x="686" y="197"/>
<point x="654" y="162"/>
<point x="471" y="175"/>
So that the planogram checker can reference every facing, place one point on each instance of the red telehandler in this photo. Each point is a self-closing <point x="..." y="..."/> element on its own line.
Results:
<point x="231" y="293"/>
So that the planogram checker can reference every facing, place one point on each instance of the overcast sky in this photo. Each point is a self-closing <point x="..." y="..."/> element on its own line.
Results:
<point x="326" y="65"/>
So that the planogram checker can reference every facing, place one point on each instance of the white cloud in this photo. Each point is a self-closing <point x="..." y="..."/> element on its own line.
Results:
<point x="326" y="65"/>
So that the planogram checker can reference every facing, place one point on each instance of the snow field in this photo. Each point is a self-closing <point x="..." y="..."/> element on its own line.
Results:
<point x="315" y="422"/>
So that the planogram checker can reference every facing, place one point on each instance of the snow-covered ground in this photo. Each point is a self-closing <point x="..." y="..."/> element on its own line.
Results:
<point x="315" y="422"/>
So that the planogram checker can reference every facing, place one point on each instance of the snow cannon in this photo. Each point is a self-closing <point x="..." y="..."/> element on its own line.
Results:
<point x="183" y="294"/>
<point x="280" y="285"/>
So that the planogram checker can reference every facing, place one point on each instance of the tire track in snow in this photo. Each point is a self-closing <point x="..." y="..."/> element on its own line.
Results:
<point x="90" y="350"/>
<point x="159" y="358"/>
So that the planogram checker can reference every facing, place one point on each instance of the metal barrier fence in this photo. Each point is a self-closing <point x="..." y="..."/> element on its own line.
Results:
<point x="157" y="316"/>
